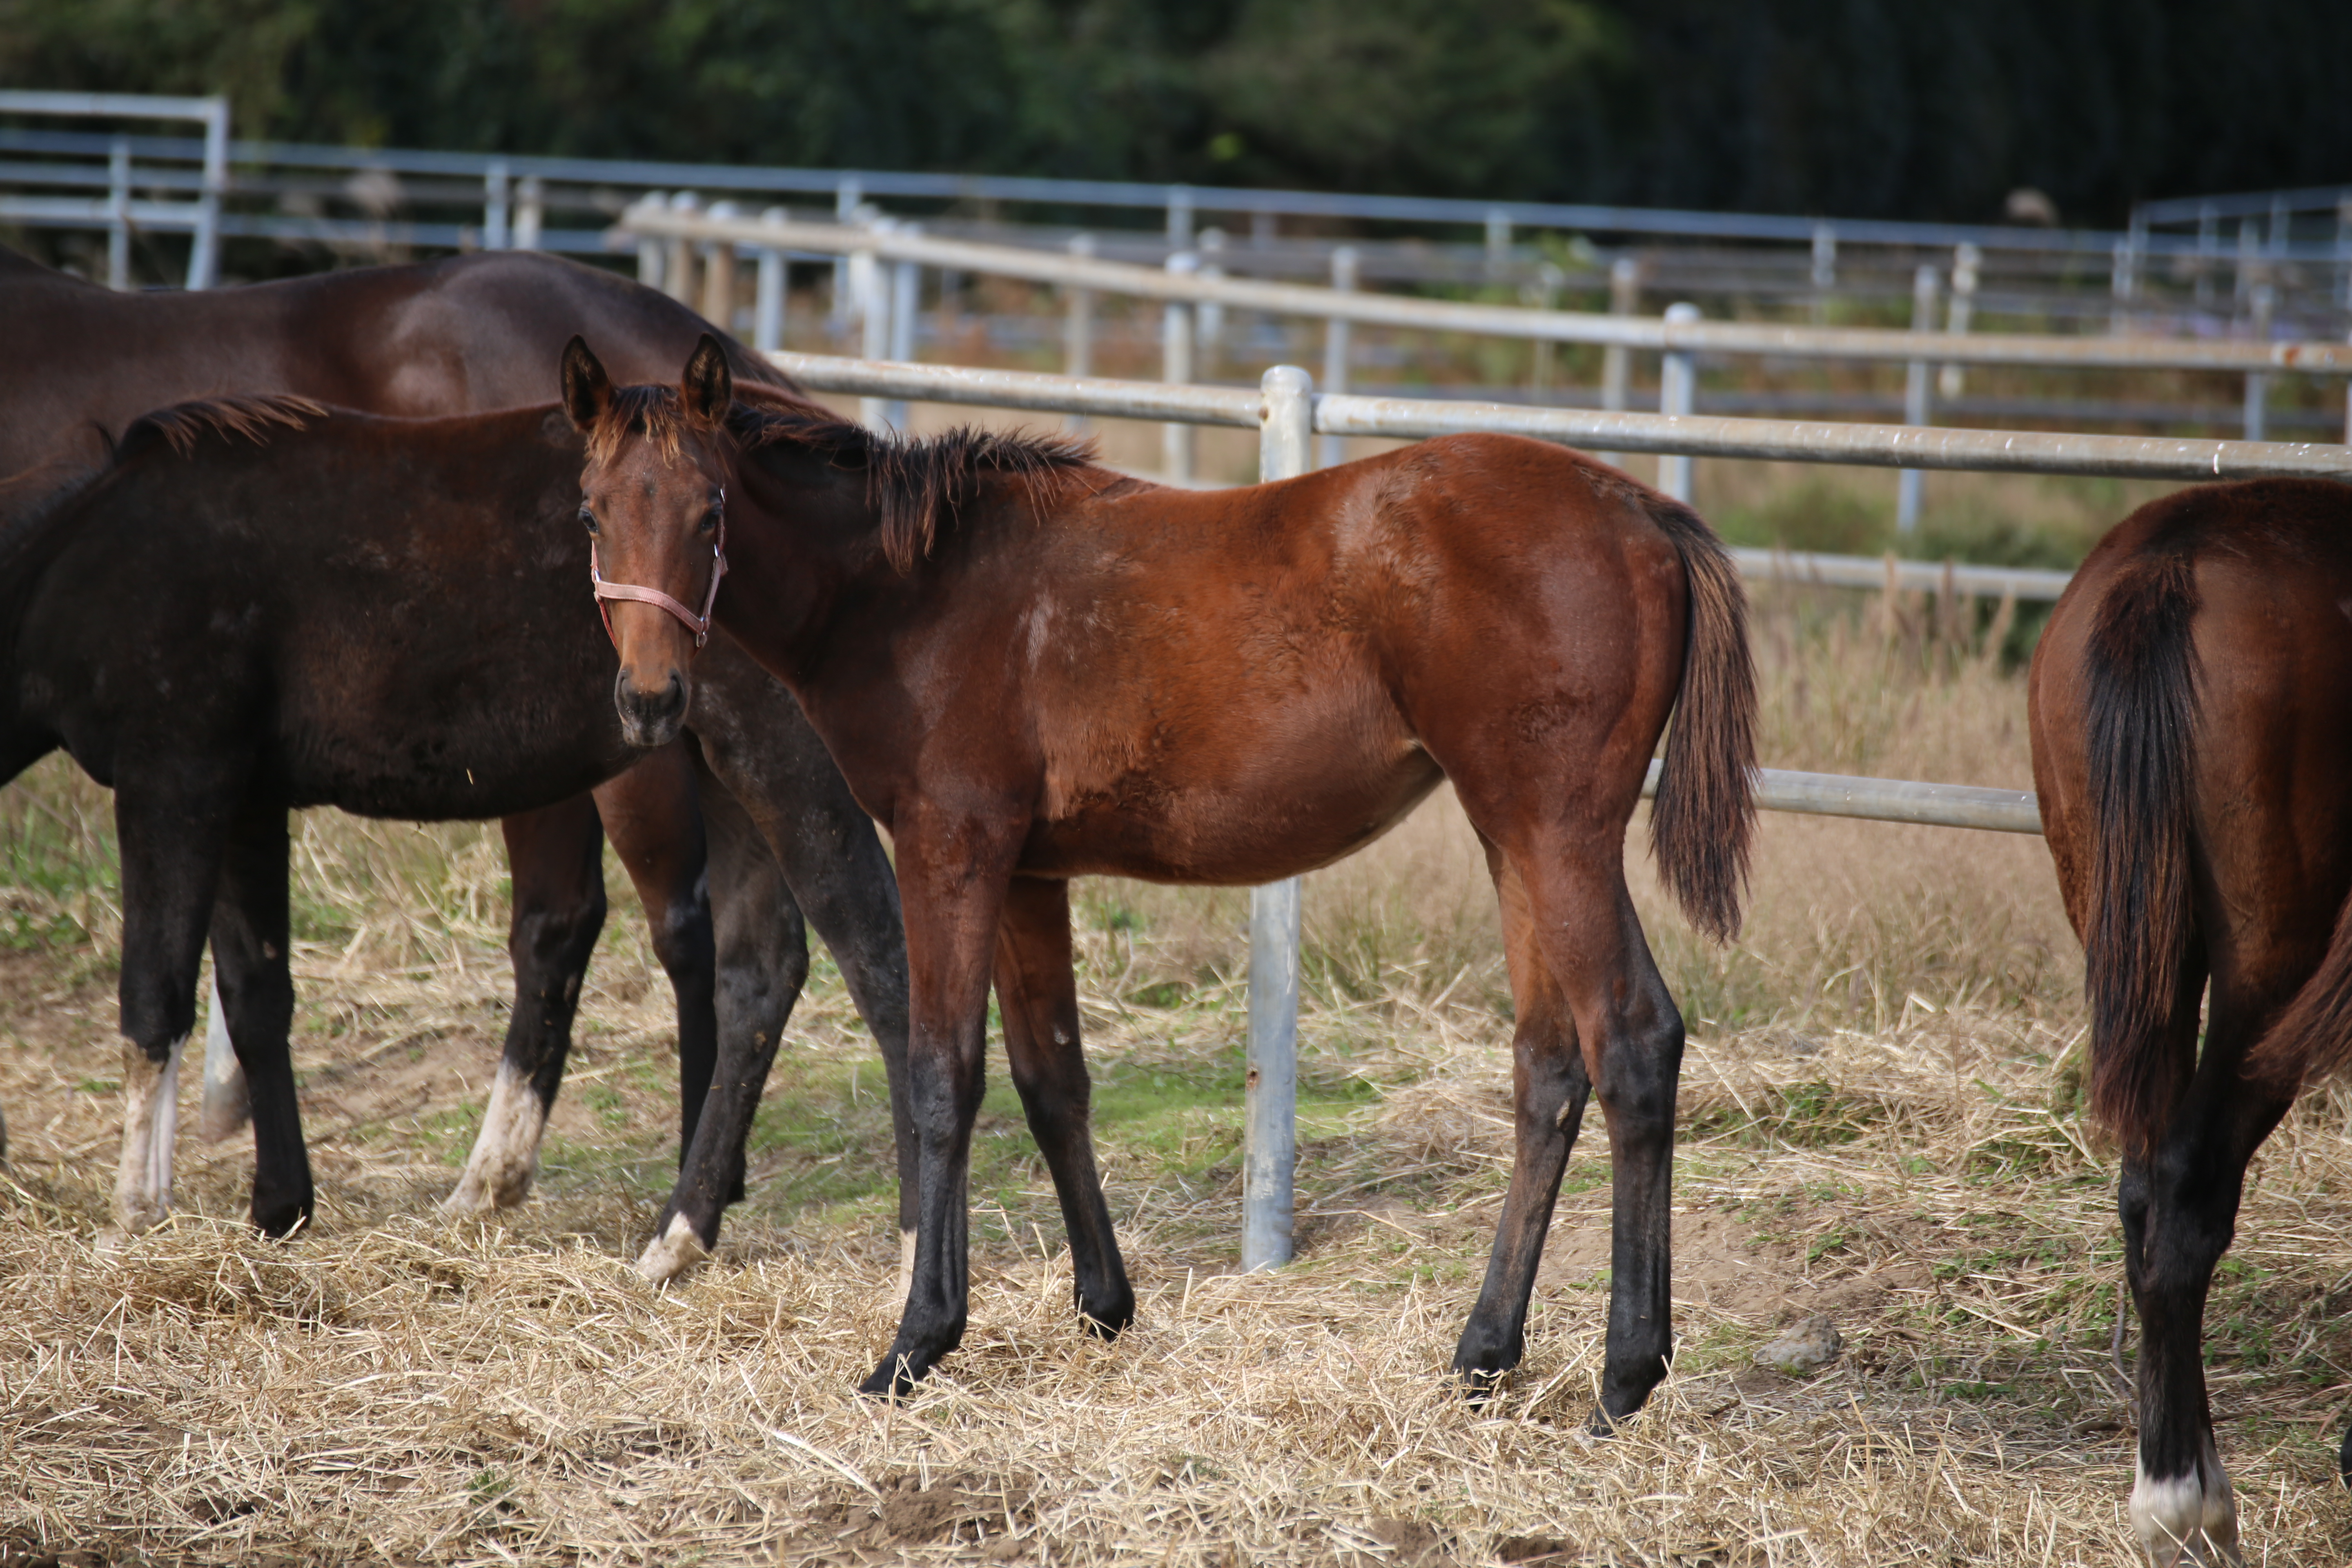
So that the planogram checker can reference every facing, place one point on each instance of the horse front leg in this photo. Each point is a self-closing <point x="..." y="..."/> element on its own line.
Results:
<point x="952" y="873"/>
<point x="555" y="856"/>
<point x="763" y="963"/>
<point x="173" y="830"/>
<point x="256" y="985"/>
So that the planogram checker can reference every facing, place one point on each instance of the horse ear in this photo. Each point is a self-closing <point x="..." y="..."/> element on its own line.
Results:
<point x="587" y="390"/>
<point x="708" y="388"/>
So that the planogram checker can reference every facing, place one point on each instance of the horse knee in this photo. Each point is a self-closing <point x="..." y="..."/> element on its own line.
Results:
<point x="547" y="941"/>
<point x="682" y="943"/>
<point x="1638" y="1075"/>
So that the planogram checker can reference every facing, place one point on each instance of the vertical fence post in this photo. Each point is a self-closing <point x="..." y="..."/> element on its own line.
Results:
<point x="2250" y="260"/>
<point x="2209" y="247"/>
<point x="1678" y="394"/>
<point x="1270" y="1095"/>
<point x="718" y="275"/>
<point x="2258" y="386"/>
<point x="530" y="212"/>
<point x="906" y="306"/>
<point x="1176" y="368"/>
<point x="1209" y="317"/>
<point x="1616" y="360"/>
<point x="767" y="291"/>
<point x="495" y="207"/>
<point x="1966" y="259"/>
<point x="1180" y="217"/>
<point x="1330" y="449"/>
<point x="2122" y="283"/>
<point x="871" y="300"/>
<point x="848" y="196"/>
<point x="650" y="249"/>
<point x="1498" y="241"/>
<point x="1078" y="332"/>
<point x="1925" y="287"/>
<point x="204" y="250"/>
<point x="1824" y="269"/>
<point x="1544" y="295"/>
<point x="118" y="214"/>
<point x="677" y="267"/>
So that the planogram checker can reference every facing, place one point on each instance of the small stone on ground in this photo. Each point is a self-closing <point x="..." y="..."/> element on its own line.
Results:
<point x="1804" y="1348"/>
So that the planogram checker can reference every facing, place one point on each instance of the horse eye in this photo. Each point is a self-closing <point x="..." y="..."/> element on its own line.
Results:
<point x="588" y="520"/>
<point x="710" y="520"/>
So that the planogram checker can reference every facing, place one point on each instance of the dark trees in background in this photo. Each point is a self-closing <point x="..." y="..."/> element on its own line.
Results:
<point x="1862" y="107"/>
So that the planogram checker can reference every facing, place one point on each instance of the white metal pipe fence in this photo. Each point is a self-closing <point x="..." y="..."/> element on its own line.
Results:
<point x="118" y="212"/>
<point x="1287" y="413"/>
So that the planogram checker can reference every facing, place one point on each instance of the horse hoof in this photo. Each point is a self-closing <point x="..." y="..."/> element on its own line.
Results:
<point x="894" y="1380"/>
<point x="2189" y="1521"/>
<point x="672" y="1253"/>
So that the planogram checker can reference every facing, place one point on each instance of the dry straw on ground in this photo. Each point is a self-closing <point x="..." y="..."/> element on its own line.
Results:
<point x="1876" y="1125"/>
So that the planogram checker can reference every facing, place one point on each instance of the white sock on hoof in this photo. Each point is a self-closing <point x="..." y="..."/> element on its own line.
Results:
<point x="151" y="1118"/>
<point x="2190" y="1519"/>
<point x="672" y="1253"/>
<point x="227" y="1105"/>
<point x="504" y="1161"/>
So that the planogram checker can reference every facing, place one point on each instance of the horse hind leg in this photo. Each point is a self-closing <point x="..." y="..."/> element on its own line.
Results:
<point x="1549" y="1091"/>
<point x="250" y="932"/>
<point x="556" y="859"/>
<point x="227" y="1103"/>
<point x="1037" y="994"/>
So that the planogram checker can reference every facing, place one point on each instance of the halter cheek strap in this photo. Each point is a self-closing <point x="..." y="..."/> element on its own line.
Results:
<point x="698" y="624"/>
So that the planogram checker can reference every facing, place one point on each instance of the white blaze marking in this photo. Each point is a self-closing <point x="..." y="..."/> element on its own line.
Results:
<point x="505" y="1159"/>
<point x="151" y="1117"/>
<point x="227" y="1105"/>
<point x="672" y="1253"/>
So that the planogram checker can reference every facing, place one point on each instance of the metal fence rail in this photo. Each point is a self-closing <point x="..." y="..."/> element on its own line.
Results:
<point x="1287" y="413"/>
<point x="646" y="221"/>
<point x="117" y="212"/>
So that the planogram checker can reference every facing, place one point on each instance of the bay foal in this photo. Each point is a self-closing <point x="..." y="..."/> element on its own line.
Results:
<point x="1031" y="670"/>
<point x="2192" y="712"/>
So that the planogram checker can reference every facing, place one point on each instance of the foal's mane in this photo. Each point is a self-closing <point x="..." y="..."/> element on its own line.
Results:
<point x="912" y="483"/>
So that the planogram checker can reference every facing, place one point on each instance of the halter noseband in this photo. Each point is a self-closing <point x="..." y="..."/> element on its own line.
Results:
<point x="698" y="624"/>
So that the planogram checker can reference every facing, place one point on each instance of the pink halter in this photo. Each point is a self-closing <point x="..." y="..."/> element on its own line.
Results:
<point x="698" y="624"/>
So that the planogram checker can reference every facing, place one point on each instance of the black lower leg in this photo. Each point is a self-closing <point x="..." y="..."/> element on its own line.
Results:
<point x="249" y="939"/>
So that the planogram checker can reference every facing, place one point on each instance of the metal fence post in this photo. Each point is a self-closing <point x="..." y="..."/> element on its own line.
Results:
<point x="204" y="250"/>
<point x="1616" y="360"/>
<point x="495" y="207"/>
<point x="1925" y="287"/>
<point x="1824" y="269"/>
<point x="530" y="212"/>
<point x="2209" y="247"/>
<point x="1966" y="259"/>
<point x="871" y="300"/>
<point x="1209" y="317"/>
<point x="118" y="214"/>
<point x="906" y="305"/>
<point x="1330" y="449"/>
<point x="1180" y="217"/>
<point x="718" y="275"/>
<point x="1078" y="332"/>
<point x="1176" y="368"/>
<point x="1544" y="295"/>
<point x="1678" y="394"/>
<point x="651" y="251"/>
<point x="677" y="267"/>
<point x="1498" y="241"/>
<point x="2258" y="386"/>
<point x="767" y="291"/>
<point x="848" y="196"/>
<point x="1270" y="1095"/>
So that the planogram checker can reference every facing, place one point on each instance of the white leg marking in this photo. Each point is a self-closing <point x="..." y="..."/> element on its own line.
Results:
<point x="226" y="1104"/>
<point x="2188" y="1520"/>
<point x="151" y="1116"/>
<point x="672" y="1253"/>
<point x="906" y="1264"/>
<point x="505" y="1159"/>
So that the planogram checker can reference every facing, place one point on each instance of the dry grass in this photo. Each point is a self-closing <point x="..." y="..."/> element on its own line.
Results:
<point x="1875" y="1126"/>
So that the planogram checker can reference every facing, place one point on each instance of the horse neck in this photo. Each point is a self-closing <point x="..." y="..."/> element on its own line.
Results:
<point x="803" y="546"/>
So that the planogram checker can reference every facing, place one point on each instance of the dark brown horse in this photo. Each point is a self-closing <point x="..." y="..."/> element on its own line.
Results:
<point x="1032" y="670"/>
<point x="453" y="337"/>
<point x="2191" y="712"/>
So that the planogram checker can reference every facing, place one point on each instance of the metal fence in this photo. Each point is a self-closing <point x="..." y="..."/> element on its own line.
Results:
<point x="120" y="211"/>
<point x="1287" y="414"/>
<point x="668" y="238"/>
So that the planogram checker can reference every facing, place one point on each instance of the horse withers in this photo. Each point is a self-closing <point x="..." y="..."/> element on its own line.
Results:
<point x="1031" y="668"/>
<point x="2191" y="705"/>
<point x="462" y="335"/>
<point x="258" y="608"/>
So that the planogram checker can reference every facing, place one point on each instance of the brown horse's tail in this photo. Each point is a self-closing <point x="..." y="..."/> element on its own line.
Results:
<point x="2140" y="668"/>
<point x="1705" y="814"/>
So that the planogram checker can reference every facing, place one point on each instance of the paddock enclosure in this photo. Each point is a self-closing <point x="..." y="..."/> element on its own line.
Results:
<point x="1880" y="1123"/>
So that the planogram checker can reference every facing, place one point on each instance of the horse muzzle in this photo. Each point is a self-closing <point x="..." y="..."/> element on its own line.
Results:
<point x="650" y="718"/>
